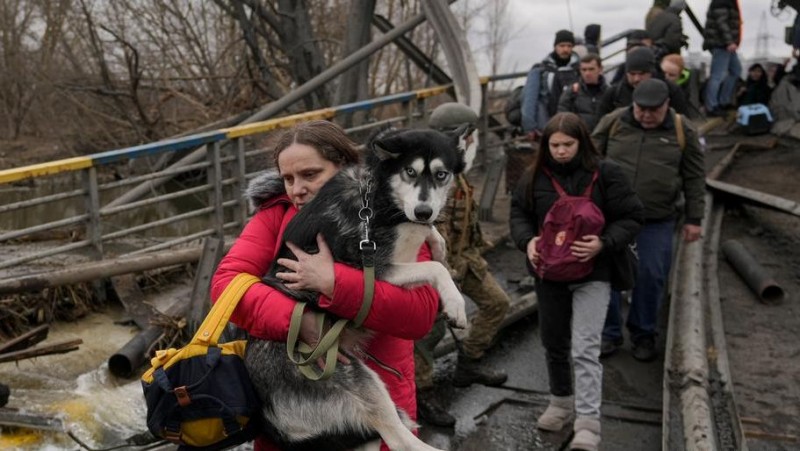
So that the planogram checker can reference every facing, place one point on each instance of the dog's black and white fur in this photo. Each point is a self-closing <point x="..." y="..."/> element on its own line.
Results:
<point x="412" y="172"/>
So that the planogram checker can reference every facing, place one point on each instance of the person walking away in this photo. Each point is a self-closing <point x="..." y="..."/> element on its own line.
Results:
<point x="666" y="30"/>
<point x="640" y="65"/>
<point x="465" y="244"/>
<point x="545" y="83"/>
<point x="571" y="312"/>
<point x="722" y="36"/>
<point x="306" y="157"/>
<point x="660" y="154"/>
<point x="584" y="95"/>
<point x="658" y="7"/>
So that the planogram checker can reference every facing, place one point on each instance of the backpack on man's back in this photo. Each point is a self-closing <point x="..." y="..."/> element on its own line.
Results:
<point x="513" y="107"/>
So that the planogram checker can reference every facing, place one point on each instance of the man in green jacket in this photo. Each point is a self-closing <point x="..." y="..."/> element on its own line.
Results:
<point x="660" y="153"/>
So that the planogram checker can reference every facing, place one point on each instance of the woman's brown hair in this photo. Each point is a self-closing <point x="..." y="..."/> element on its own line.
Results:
<point x="573" y="126"/>
<point x="329" y="139"/>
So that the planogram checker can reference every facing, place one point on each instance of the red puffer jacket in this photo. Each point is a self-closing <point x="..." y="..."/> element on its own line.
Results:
<point x="398" y="315"/>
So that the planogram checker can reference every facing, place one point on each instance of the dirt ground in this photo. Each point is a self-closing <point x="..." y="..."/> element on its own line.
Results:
<point x="761" y="338"/>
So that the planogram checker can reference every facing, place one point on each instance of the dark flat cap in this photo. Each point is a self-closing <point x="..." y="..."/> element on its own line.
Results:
<point x="651" y="93"/>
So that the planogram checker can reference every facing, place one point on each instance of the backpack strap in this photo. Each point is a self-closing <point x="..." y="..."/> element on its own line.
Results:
<point x="587" y="192"/>
<point x="556" y="185"/>
<point x="680" y="132"/>
<point x="210" y="330"/>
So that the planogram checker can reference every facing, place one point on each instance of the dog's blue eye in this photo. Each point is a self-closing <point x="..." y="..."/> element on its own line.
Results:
<point x="442" y="175"/>
<point x="411" y="172"/>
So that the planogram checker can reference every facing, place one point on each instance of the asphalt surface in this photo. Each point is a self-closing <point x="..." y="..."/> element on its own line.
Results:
<point x="504" y="418"/>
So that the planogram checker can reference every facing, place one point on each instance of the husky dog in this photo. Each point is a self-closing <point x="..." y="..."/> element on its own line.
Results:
<point x="411" y="172"/>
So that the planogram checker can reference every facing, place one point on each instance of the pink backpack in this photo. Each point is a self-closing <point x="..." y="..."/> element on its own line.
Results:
<point x="570" y="218"/>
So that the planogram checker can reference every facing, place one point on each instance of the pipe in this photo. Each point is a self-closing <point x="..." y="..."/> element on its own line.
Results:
<point x="134" y="354"/>
<point x="756" y="277"/>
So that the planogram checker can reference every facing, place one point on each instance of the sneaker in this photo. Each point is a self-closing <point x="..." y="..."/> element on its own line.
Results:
<point x="644" y="350"/>
<point x="609" y="347"/>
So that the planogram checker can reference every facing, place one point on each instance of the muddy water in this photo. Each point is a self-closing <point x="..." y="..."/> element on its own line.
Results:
<point x="100" y="409"/>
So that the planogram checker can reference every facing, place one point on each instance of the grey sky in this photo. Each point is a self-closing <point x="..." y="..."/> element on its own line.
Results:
<point x="533" y="24"/>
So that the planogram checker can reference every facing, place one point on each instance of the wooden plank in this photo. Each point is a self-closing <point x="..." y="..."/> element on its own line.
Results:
<point x="757" y="197"/>
<point x="16" y="418"/>
<point x="26" y="340"/>
<point x="199" y="302"/>
<point x="489" y="192"/>
<point x="56" y="348"/>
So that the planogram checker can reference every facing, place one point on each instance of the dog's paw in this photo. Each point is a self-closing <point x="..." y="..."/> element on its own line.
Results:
<point x="455" y="311"/>
<point x="438" y="246"/>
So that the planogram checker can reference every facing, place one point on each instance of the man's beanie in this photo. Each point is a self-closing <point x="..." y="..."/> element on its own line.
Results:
<point x="651" y="93"/>
<point x="636" y="38"/>
<point x="564" y="36"/>
<point x="640" y="59"/>
<point x="451" y="115"/>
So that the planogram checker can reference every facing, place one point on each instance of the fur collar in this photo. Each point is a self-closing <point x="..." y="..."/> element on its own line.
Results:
<point x="264" y="187"/>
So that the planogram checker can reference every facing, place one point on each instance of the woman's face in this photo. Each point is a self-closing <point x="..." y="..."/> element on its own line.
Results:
<point x="563" y="147"/>
<point x="304" y="171"/>
<point x="756" y="73"/>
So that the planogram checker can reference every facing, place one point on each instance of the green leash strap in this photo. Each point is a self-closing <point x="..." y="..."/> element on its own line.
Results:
<point x="368" y="260"/>
<point x="328" y="342"/>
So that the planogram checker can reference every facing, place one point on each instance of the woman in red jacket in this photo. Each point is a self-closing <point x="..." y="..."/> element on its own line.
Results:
<point x="306" y="157"/>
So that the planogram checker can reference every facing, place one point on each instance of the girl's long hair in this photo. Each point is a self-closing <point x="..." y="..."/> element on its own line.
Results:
<point x="573" y="126"/>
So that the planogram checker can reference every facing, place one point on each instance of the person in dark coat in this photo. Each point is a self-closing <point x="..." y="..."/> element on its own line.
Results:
<point x="756" y="88"/>
<point x="666" y="30"/>
<point x="722" y="37"/>
<point x="571" y="314"/>
<point x="640" y="65"/>
<point x="583" y="97"/>
<point x="660" y="154"/>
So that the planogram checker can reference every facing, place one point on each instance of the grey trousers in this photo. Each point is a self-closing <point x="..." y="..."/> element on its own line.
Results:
<point x="571" y="318"/>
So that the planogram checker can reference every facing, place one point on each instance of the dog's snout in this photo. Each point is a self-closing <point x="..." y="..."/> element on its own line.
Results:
<point x="423" y="212"/>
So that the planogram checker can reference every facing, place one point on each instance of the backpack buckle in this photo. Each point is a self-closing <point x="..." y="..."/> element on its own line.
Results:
<point x="183" y="396"/>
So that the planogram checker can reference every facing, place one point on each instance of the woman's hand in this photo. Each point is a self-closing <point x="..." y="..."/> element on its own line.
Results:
<point x="313" y="272"/>
<point x="587" y="247"/>
<point x="533" y="256"/>
<point x="309" y="334"/>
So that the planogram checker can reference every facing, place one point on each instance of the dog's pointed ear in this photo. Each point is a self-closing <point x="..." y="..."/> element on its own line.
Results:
<point x="380" y="151"/>
<point x="461" y="134"/>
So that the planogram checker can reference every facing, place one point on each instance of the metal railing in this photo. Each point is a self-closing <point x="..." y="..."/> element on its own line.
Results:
<point x="80" y="218"/>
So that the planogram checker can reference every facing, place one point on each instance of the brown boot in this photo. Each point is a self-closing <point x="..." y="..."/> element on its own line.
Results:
<point x="470" y="371"/>
<point x="429" y="410"/>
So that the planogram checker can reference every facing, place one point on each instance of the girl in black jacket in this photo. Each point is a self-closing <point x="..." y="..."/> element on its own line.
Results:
<point x="571" y="314"/>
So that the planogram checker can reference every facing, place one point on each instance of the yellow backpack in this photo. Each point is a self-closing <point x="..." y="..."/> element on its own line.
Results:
<point x="200" y="396"/>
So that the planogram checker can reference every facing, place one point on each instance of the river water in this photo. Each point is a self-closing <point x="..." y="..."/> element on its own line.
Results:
<point x="97" y="407"/>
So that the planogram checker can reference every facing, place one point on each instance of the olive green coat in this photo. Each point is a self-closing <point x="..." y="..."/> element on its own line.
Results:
<point x="659" y="170"/>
